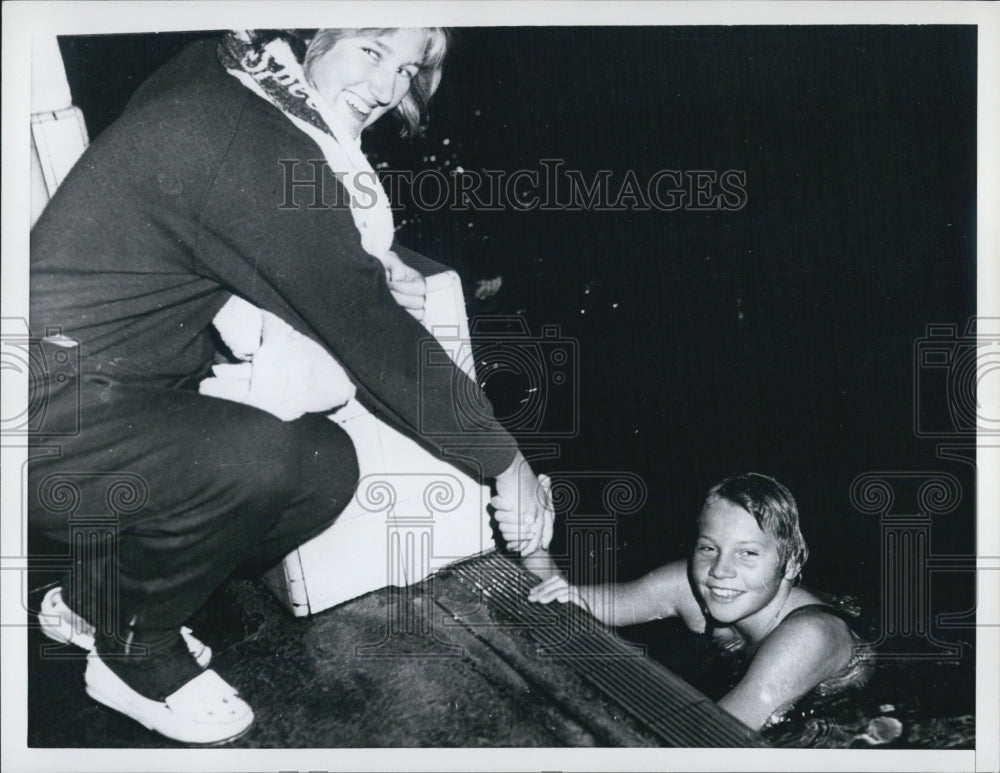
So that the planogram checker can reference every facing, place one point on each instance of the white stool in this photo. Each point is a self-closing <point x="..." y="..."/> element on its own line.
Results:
<point x="412" y="513"/>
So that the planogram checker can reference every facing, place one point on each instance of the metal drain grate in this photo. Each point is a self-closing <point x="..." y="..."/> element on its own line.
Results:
<point x="671" y="709"/>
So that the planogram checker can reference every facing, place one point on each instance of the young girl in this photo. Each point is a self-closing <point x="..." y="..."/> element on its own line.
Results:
<point x="741" y="587"/>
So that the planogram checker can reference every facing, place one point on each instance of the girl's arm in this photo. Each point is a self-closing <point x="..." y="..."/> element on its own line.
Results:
<point x="798" y="655"/>
<point x="653" y="596"/>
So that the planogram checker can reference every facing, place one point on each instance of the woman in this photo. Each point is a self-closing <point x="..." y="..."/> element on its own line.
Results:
<point x="175" y="209"/>
<point x="741" y="587"/>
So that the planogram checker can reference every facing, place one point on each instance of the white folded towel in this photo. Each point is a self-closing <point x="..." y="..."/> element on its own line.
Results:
<point x="283" y="372"/>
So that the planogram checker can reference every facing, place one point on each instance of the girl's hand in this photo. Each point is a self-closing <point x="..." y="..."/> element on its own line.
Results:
<point x="554" y="589"/>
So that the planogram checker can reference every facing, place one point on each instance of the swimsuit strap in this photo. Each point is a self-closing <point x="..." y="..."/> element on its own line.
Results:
<point x="820" y="607"/>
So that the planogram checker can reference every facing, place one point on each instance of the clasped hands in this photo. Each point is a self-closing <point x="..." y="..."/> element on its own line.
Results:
<point x="523" y="507"/>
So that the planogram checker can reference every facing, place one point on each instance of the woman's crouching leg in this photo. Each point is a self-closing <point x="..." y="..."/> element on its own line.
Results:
<point x="255" y="488"/>
<point x="222" y="484"/>
<point x="323" y="472"/>
<point x="273" y="486"/>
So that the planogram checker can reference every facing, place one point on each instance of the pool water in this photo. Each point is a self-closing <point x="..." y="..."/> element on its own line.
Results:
<point x="906" y="704"/>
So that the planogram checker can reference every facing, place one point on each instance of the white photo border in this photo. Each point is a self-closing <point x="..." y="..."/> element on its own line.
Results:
<point x="23" y="20"/>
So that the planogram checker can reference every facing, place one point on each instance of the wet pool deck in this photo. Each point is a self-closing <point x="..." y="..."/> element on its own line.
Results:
<point x="461" y="660"/>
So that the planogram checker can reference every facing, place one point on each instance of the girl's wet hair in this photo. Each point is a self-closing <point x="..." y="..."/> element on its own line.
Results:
<point x="772" y="506"/>
<point x="412" y="111"/>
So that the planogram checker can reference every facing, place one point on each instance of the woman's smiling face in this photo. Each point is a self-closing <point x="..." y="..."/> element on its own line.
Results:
<point x="736" y="568"/>
<point x="363" y="78"/>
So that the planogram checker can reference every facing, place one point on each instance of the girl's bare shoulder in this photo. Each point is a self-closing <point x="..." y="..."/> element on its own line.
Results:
<point x="815" y="628"/>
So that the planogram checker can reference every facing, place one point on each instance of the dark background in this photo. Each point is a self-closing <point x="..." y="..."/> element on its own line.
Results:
<point x="778" y="338"/>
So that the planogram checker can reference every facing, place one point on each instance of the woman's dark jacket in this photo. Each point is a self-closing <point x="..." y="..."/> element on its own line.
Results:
<point x="185" y="200"/>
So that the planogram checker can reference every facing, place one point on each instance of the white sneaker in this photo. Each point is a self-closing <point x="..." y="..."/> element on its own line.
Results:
<point x="206" y="710"/>
<point x="62" y="624"/>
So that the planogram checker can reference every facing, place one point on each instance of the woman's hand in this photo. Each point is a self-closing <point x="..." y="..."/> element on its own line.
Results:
<point x="523" y="507"/>
<point x="406" y="284"/>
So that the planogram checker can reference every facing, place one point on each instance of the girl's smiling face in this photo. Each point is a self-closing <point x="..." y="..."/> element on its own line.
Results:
<point x="363" y="78"/>
<point x="736" y="569"/>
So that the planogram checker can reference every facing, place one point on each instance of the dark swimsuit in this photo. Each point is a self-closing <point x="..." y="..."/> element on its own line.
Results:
<point x="858" y="668"/>
<point x="854" y="675"/>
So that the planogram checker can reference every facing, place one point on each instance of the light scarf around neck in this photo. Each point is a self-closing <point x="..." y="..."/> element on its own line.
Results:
<point x="272" y="72"/>
<point x="299" y="376"/>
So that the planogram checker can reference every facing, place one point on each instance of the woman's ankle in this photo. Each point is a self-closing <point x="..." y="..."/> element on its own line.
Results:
<point x="154" y="668"/>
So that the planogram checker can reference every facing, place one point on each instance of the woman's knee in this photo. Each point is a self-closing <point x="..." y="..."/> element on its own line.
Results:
<point x="318" y="474"/>
<point x="311" y="456"/>
<point x="327" y="457"/>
